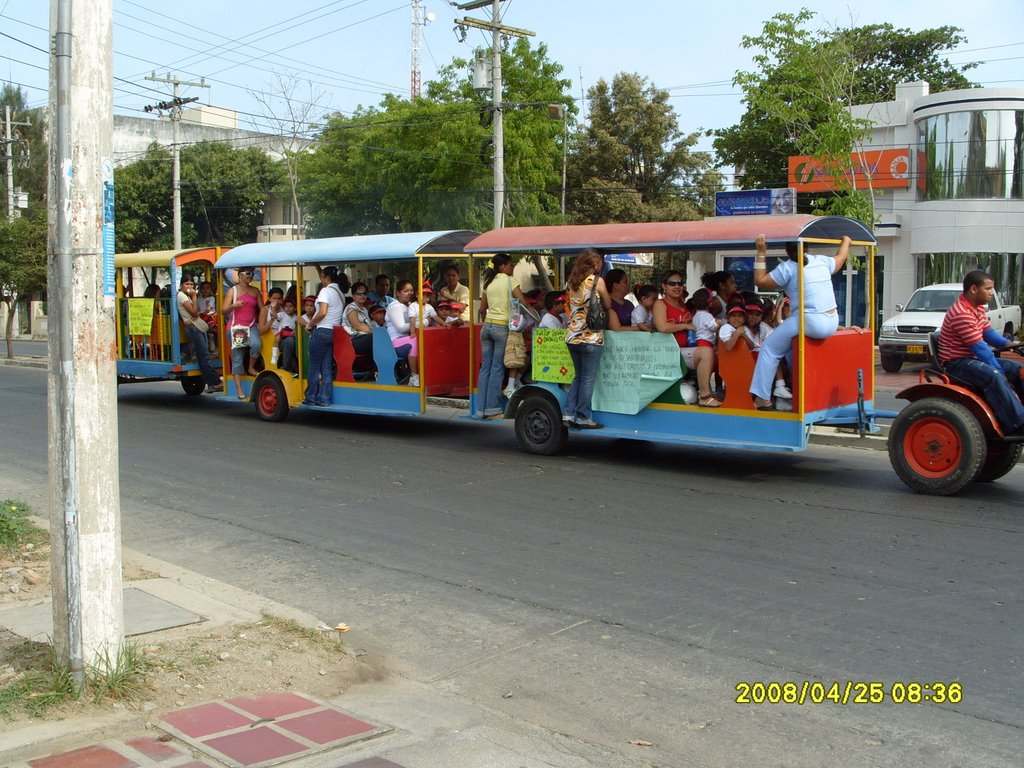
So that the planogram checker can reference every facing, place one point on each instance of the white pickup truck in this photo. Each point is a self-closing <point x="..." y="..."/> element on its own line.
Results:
<point x="905" y="336"/>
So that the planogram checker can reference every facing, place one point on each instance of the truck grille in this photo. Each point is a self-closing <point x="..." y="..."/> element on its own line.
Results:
<point x="915" y="328"/>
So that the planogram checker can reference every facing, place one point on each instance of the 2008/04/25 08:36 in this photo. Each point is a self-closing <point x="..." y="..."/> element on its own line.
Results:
<point x="848" y="692"/>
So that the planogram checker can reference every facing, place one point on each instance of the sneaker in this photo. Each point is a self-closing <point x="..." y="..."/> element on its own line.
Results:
<point x="414" y="380"/>
<point x="781" y="390"/>
<point x="509" y="391"/>
<point x="782" y="404"/>
<point x="213" y="388"/>
<point x="588" y="424"/>
<point x="566" y="420"/>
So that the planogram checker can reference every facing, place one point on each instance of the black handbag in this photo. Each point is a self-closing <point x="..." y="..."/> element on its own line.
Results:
<point x="597" y="315"/>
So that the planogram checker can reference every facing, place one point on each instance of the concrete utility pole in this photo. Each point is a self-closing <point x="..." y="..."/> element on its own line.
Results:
<point x="9" y="141"/>
<point x="498" y="30"/>
<point x="84" y="496"/>
<point x="174" y="108"/>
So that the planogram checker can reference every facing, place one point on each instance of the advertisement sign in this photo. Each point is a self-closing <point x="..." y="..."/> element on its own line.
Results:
<point x="755" y="202"/>
<point x="140" y="316"/>
<point x="886" y="168"/>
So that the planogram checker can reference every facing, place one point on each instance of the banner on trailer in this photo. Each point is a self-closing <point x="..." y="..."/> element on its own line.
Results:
<point x="635" y="369"/>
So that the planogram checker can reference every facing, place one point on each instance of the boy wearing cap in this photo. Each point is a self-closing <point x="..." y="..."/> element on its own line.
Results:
<point x="554" y="316"/>
<point x="378" y="314"/>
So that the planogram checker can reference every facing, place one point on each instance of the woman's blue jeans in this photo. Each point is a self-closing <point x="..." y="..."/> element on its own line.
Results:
<point x="585" y="359"/>
<point x="492" y="368"/>
<point x="321" y="373"/>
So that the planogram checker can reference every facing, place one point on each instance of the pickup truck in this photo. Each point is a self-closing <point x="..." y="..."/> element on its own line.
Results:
<point x="905" y="336"/>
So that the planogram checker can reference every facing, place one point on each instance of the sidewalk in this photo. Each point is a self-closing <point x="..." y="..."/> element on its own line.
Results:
<point x="386" y="723"/>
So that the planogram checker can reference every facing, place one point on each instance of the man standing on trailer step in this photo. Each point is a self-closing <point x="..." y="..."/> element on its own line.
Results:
<point x="964" y="351"/>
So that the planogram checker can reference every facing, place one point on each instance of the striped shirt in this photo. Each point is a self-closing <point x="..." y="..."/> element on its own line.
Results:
<point x="962" y="327"/>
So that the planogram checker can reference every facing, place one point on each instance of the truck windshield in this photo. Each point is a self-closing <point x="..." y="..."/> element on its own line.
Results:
<point x="931" y="301"/>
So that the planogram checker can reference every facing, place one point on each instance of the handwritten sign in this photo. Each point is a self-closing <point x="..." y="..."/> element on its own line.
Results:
<point x="635" y="369"/>
<point x="551" y="361"/>
<point x="140" y="317"/>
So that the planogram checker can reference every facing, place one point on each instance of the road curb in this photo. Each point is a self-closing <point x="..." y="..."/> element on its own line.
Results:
<point x="26" y="362"/>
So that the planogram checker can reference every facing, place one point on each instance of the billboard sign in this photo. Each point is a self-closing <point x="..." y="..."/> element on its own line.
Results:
<point x="751" y="202"/>
<point x="886" y="168"/>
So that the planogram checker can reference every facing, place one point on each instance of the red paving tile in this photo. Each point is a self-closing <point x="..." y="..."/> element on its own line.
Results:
<point x="204" y="719"/>
<point x="155" y="750"/>
<point x="325" y="726"/>
<point x="95" y="756"/>
<point x="255" y="746"/>
<point x="274" y="704"/>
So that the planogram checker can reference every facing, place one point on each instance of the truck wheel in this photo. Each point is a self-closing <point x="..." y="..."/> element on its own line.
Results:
<point x="193" y="385"/>
<point x="539" y="426"/>
<point x="892" y="363"/>
<point x="271" y="401"/>
<point x="1001" y="458"/>
<point x="936" y="446"/>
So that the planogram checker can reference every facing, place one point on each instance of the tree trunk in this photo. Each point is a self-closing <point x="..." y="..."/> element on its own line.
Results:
<point x="541" y="263"/>
<point x="9" y="328"/>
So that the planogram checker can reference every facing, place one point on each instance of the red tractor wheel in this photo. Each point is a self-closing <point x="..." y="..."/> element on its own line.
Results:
<point x="936" y="446"/>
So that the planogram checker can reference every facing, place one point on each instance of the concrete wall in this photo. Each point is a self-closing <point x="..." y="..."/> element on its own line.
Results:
<point x="133" y="135"/>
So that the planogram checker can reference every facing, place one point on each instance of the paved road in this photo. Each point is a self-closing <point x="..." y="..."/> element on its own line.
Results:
<point x="618" y="592"/>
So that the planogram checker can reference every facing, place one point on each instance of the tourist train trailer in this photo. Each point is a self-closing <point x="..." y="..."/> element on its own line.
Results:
<point x="638" y="396"/>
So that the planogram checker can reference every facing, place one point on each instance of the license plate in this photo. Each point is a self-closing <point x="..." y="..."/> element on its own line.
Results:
<point x="915" y="349"/>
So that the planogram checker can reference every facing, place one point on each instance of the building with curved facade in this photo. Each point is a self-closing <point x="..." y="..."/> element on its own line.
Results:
<point x="963" y="206"/>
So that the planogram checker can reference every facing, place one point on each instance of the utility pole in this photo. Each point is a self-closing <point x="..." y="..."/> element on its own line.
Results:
<point x="498" y="31"/>
<point x="88" y="622"/>
<point x="9" y="140"/>
<point x="173" y="107"/>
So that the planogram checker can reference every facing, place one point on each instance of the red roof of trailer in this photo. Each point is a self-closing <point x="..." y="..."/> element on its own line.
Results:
<point x="721" y="233"/>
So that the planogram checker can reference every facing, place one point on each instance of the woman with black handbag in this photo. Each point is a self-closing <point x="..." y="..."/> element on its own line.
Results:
<point x="588" y="318"/>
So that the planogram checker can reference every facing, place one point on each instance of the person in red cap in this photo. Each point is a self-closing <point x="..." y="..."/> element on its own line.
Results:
<point x="731" y="333"/>
<point x="757" y="329"/>
<point x="554" y="304"/>
<point x="430" y="317"/>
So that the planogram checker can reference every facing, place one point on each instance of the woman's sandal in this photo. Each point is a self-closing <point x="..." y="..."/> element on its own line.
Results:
<point x="709" y="401"/>
<point x="769" y="406"/>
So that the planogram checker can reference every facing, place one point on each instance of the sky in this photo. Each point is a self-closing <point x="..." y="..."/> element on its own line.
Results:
<point x="350" y="52"/>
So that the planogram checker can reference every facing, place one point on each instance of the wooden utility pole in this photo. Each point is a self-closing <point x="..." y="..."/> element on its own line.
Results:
<point x="85" y="511"/>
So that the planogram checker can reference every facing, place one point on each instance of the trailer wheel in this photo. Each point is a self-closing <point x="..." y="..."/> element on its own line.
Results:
<point x="270" y="399"/>
<point x="193" y="385"/>
<point x="1000" y="459"/>
<point x="936" y="446"/>
<point x="892" y="363"/>
<point x="539" y="426"/>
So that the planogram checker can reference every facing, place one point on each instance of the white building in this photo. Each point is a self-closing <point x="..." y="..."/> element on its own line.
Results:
<point x="963" y="207"/>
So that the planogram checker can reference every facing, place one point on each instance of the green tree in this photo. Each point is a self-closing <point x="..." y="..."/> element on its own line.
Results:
<point x="632" y="163"/>
<point x="409" y="166"/>
<point x="29" y="148"/>
<point x="22" y="264"/>
<point x="804" y="79"/>
<point x="223" y="192"/>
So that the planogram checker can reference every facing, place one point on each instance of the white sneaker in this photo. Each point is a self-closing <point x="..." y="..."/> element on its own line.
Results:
<point x="781" y="390"/>
<point x="414" y="380"/>
<point x="783" y="405"/>
<point x="509" y="391"/>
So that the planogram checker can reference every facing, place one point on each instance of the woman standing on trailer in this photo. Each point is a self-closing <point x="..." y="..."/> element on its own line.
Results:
<point x="821" y="318"/>
<point x="329" y="304"/>
<point x="495" y="307"/>
<point x="585" y="344"/>
<point x="244" y="305"/>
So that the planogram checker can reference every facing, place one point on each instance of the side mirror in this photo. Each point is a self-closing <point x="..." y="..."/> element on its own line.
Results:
<point x="899" y="307"/>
